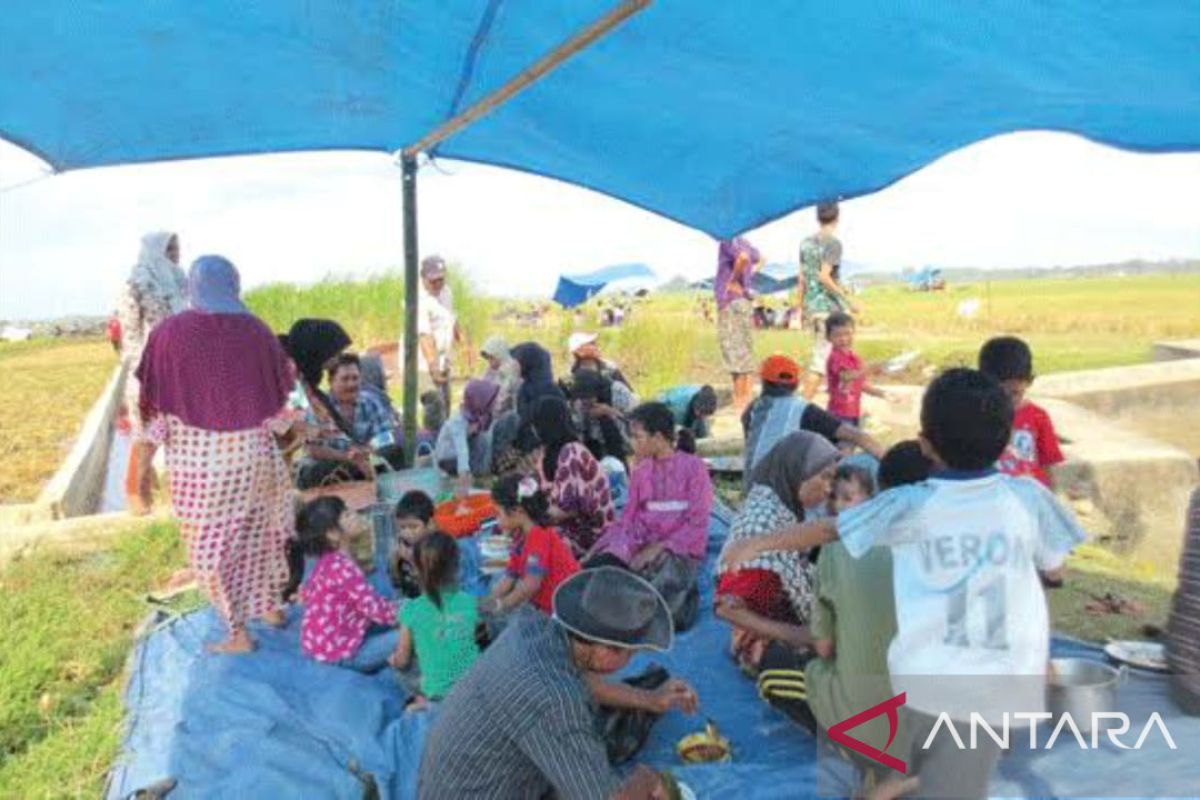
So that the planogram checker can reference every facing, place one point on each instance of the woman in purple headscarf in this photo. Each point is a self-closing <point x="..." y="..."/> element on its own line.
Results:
<point x="214" y="381"/>
<point x="737" y="261"/>
<point x="464" y="444"/>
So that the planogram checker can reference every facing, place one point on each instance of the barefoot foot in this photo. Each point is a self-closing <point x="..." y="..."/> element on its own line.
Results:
<point x="136" y="506"/>
<point x="179" y="579"/>
<point x="417" y="704"/>
<point x="276" y="618"/>
<point x="237" y="643"/>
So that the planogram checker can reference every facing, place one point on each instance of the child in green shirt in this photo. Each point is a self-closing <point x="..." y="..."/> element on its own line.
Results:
<point x="854" y="620"/>
<point x="439" y="626"/>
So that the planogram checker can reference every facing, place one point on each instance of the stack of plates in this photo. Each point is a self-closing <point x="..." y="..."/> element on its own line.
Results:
<point x="1145" y="655"/>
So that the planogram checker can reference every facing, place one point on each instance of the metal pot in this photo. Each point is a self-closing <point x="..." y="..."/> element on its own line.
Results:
<point x="1082" y="688"/>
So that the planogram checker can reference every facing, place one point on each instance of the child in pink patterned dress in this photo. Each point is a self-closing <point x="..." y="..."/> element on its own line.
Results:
<point x="346" y="623"/>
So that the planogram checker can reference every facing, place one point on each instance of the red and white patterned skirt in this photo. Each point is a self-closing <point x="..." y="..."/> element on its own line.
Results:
<point x="233" y="498"/>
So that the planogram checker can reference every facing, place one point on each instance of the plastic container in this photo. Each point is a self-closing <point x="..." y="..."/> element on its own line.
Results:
<point x="394" y="485"/>
<point x="464" y="517"/>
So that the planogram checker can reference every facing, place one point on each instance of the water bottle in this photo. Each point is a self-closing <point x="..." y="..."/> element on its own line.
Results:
<point x="618" y="480"/>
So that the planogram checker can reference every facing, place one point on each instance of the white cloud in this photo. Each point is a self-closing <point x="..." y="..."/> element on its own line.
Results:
<point x="1026" y="199"/>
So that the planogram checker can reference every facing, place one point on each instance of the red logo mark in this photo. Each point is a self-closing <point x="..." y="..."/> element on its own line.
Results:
<point x="838" y="733"/>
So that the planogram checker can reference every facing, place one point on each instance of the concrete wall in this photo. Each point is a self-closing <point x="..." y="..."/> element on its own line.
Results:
<point x="1129" y="490"/>
<point x="75" y="488"/>
<point x="1166" y="385"/>
<point x="1174" y="351"/>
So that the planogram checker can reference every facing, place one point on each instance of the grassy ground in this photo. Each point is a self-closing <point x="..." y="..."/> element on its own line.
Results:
<point x="49" y="386"/>
<point x="1093" y="573"/>
<point x="66" y="623"/>
<point x="1071" y="324"/>
<point x="370" y="310"/>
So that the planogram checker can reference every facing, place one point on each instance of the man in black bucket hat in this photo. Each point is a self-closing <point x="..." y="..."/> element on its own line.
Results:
<point x="522" y="722"/>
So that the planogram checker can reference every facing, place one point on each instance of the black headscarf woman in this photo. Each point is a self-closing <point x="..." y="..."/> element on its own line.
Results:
<point x="552" y="423"/>
<point x="795" y="459"/>
<point x="770" y="597"/>
<point x="537" y="377"/>
<point x="601" y="433"/>
<point x="312" y="344"/>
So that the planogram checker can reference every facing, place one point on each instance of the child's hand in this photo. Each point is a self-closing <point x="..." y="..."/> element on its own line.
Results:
<point x="489" y="605"/>
<point x="739" y="553"/>
<point x="1052" y="578"/>
<point x="603" y="410"/>
<point x="824" y="648"/>
<point x="646" y="556"/>
<point x="893" y="788"/>
<point x="359" y="457"/>
<point x="394" y="660"/>
<point x="463" y="489"/>
<point x="675" y="694"/>
<point x="416" y="704"/>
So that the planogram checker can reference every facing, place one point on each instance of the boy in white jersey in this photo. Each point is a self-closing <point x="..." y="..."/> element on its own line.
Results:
<point x="973" y="632"/>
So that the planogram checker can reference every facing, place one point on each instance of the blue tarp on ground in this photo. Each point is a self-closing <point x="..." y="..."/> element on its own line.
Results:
<point x="719" y="115"/>
<point x="575" y="290"/>
<point x="275" y="724"/>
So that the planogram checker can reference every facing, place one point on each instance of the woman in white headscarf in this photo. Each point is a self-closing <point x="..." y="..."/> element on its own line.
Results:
<point x="156" y="289"/>
<point x="502" y="371"/>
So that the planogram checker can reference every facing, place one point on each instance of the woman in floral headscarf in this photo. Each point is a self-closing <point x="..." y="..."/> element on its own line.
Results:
<point x="155" y="290"/>
<point x="464" y="444"/>
<point x="770" y="598"/>
<point x="581" y="503"/>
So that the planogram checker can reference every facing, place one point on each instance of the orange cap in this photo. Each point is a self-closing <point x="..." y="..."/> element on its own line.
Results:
<point x="780" y="369"/>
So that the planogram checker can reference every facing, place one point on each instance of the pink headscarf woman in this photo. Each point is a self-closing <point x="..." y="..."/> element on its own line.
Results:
<point x="464" y="444"/>
<point x="479" y="402"/>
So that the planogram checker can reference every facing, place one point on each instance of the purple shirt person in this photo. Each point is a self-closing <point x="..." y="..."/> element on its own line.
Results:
<point x="736" y="262"/>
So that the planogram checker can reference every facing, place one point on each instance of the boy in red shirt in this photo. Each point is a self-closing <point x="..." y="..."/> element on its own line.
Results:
<point x="845" y="372"/>
<point x="1033" y="448"/>
<point x="540" y="559"/>
<point x="114" y="333"/>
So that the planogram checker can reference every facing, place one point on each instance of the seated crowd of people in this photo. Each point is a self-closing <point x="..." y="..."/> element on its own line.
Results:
<point x="828" y="574"/>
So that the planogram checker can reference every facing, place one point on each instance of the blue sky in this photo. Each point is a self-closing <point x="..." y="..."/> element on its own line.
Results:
<point x="1029" y="199"/>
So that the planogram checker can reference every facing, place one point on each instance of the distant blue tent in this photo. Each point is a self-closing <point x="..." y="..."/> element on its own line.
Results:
<point x="926" y="280"/>
<point x="662" y="111"/>
<point x="575" y="290"/>
<point x="775" y="278"/>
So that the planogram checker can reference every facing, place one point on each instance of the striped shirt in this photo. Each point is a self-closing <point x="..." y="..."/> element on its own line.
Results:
<point x="1183" y="627"/>
<point x="519" y="725"/>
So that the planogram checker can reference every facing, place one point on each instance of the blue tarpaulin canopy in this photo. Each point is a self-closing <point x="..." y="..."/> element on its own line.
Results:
<point x="575" y="290"/>
<point x="719" y="115"/>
